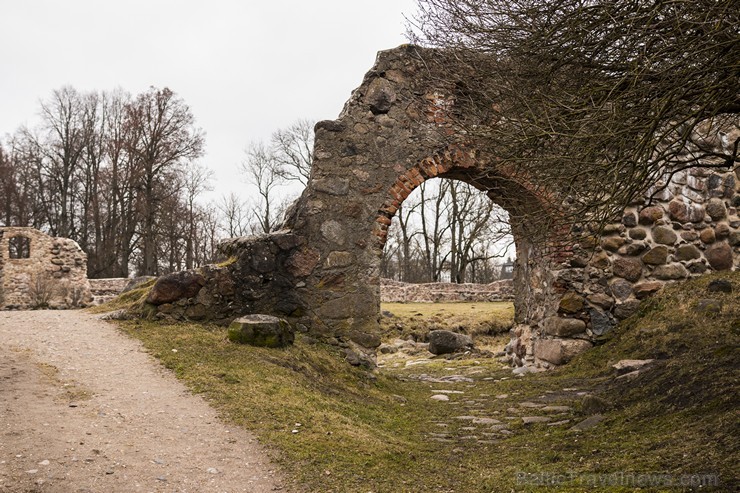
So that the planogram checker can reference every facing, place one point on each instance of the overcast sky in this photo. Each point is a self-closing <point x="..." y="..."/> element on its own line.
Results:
<point x="244" y="67"/>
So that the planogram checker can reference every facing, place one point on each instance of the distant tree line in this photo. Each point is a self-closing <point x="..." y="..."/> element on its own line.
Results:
<point x="118" y="174"/>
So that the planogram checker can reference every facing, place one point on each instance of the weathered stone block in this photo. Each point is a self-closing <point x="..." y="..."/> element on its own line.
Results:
<point x="656" y="256"/>
<point x="707" y="236"/>
<point x="175" y="286"/>
<point x="302" y="262"/>
<point x="716" y="209"/>
<point x="683" y="212"/>
<point x="720" y="256"/>
<point x="559" y="351"/>
<point x="380" y="96"/>
<point x="339" y="259"/>
<point x="664" y="235"/>
<point x="644" y="289"/>
<point x="262" y="331"/>
<point x="687" y="252"/>
<point x="601" y="322"/>
<point x="626" y="309"/>
<point x="620" y="288"/>
<point x="332" y="186"/>
<point x="670" y="272"/>
<point x="564" y="327"/>
<point x="571" y="302"/>
<point x="650" y="214"/>
<point x="627" y="268"/>
<point x="445" y="342"/>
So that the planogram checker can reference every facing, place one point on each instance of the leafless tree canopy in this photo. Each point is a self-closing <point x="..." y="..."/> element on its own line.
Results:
<point x="597" y="98"/>
<point x="117" y="174"/>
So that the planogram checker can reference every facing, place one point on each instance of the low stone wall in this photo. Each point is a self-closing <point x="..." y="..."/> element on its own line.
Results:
<point x="439" y="292"/>
<point x="687" y="228"/>
<point x="52" y="274"/>
<point x="106" y="289"/>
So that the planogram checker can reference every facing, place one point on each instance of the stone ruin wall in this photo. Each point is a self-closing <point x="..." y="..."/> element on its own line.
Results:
<point x="687" y="228"/>
<point x="441" y="292"/>
<point x="54" y="275"/>
<point x="321" y="271"/>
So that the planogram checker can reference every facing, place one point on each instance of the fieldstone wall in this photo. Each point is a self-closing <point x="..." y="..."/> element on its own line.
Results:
<point x="685" y="228"/>
<point x="321" y="271"/>
<point x="439" y="292"/>
<point x="54" y="274"/>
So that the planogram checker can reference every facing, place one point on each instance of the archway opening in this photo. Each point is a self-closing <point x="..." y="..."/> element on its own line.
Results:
<point x="448" y="231"/>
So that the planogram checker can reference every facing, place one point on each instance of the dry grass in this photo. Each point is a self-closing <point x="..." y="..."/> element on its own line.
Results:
<point x="358" y="431"/>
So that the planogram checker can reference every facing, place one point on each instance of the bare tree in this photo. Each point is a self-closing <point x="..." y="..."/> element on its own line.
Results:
<point x="446" y="229"/>
<point x="165" y="138"/>
<point x="234" y="215"/>
<point x="596" y="98"/>
<point x="195" y="183"/>
<point x="293" y="149"/>
<point x="265" y="171"/>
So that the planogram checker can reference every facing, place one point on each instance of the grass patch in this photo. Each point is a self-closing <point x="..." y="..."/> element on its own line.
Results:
<point x="128" y="300"/>
<point x="415" y="320"/>
<point x="382" y="432"/>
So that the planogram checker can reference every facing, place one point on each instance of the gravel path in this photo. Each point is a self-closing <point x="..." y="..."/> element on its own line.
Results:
<point x="84" y="409"/>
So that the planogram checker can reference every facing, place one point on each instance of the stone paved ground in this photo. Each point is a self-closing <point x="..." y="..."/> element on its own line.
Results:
<point x="472" y="411"/>
<point x="84" y="409"/>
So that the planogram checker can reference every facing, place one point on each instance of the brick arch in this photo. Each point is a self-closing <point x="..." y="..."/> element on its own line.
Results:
<point x="321" y="272"/>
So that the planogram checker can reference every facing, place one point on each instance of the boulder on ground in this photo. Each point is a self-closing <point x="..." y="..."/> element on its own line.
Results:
<point x="262" y="331"/>
<point x="445" y="342"/>
<point x="175" y="286"/>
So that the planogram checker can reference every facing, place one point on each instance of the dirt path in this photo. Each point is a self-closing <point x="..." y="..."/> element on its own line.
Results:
<point x="84" y="409"/>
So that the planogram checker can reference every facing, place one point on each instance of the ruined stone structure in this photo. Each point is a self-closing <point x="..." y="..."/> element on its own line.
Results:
<point x="38" y="271"/>
<point x="321" y="271"/>
<point x="441" y="292"/>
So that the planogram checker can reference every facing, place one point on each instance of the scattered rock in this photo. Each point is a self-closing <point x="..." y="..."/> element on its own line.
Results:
<point x="628" y="365"/>
<point x="594" y="404"/>
<point x="557" y="409"/>
<point x="440" y="397"/>
<point x="588" y="423"/>
<point x="445" y="342"/>
<point x="261" y="330"/>
<point x="559" y="351"/>
<point x="708" y="307"/>
<point x="528" y="420"/>
<point x="720" y="286"/>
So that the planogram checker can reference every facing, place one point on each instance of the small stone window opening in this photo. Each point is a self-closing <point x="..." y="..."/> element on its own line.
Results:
<point x="19" y="247"/>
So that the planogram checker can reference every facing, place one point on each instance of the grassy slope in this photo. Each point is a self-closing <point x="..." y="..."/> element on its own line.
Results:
<point x="373" y="433"/>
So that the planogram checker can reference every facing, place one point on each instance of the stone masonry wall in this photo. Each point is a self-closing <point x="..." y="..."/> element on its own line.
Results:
<point x="54" y="275"/>
<point x="321" y="271"/>
<point x="688" y="228"/>
<point x="440" y="292"/>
